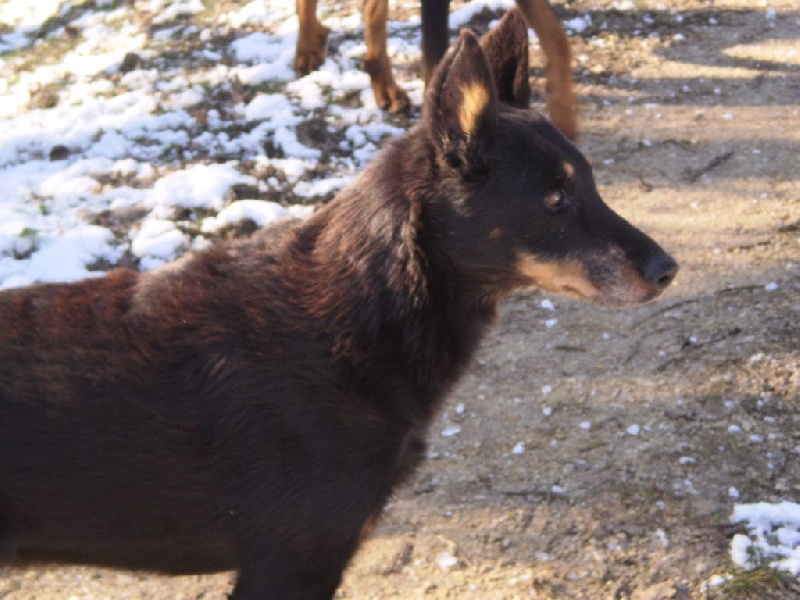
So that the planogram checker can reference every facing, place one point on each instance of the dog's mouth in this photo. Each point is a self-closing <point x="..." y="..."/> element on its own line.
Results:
<point x="573" y="292"/>
<point x="612" y="286"/>
<point x="566" y="278"/>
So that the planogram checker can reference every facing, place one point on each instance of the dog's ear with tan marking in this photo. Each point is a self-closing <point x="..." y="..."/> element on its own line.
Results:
<point x="506" y="48"/>
<point x="461" y="106"/>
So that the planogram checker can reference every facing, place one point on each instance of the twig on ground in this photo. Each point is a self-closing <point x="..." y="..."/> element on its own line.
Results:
<point x="693" y="175"/>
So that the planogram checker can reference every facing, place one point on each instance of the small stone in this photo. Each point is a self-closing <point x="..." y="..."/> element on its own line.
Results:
<point x="130" y="62"/>
<point x="59" y="152"/>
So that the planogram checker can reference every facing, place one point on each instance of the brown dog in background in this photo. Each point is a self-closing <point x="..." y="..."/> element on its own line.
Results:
<point x="538" y="14"/>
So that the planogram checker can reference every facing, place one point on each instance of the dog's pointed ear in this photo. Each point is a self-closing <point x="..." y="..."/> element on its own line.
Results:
<point x="506" y="49"/>
<point x="461" y="106"/>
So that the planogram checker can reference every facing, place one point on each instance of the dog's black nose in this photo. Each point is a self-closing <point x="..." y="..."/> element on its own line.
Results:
<point x="660" y="270"/>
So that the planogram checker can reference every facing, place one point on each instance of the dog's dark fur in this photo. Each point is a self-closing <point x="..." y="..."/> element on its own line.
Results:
<point x="252" y="406"/>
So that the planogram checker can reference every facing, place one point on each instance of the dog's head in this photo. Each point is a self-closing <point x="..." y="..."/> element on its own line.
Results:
<point x="518" y="205"/>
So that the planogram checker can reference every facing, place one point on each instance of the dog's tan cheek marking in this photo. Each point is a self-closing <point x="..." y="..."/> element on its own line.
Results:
<point x="475" y="99"/>
<point x="495" y="234"/>
<point x="568" y="277"/>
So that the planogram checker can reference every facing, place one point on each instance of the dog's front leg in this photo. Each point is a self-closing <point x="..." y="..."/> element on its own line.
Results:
<point x="435" y="34"/>
<point x="376" y="63"/>
<point x="312" y="38"/>
<point x="250" y="590"/>
<point x="558" y="56"/>
<point x="274" y="578"/>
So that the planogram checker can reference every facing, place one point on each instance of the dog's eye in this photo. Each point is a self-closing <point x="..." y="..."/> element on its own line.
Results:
<point x="555" y="201"/>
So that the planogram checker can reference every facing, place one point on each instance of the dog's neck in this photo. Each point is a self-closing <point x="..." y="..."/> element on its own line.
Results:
<point x="370" y="273"/>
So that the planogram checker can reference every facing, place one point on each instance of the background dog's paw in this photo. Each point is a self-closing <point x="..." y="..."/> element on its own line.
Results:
<point x="388" y="95"/>
<point x="311" y="50"/>
<point x="394" y="100"/>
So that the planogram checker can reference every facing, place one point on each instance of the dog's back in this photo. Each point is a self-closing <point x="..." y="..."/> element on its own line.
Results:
<point x="97" y="449"/>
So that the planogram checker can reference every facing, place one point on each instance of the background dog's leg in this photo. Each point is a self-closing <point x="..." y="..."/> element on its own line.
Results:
<point x="435" y="34"/>
<point x="311" y="39"/>
<point x="558" y="56"/>
<point x="376" y="63"/>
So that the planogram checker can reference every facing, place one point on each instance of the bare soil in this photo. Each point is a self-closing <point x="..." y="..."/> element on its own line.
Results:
<point x="623" y="490"/>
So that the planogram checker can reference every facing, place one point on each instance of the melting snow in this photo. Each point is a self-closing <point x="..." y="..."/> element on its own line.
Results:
<point x="451" y="430"/>
<point x="578" y="24"/>
<point x="258" y="211"/>
<point x="773" y="537"/>
<point x="461" y="16"/>
<point x="446" y="561"/>
<point x="153" y="137"/>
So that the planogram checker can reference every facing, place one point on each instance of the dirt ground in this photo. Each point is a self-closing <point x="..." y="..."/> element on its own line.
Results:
<point x="595" y="455"/>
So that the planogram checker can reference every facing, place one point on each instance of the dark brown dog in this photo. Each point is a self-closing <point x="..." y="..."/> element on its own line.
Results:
<point x="560" y="99"/>
<point x="253" y="406"/>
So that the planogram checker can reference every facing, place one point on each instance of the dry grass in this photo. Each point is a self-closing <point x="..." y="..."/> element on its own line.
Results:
<point x="758" y="584"/>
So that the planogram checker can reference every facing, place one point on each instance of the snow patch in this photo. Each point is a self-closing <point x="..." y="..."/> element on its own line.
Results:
<point x="261" y="212"/>
<point x="197" y="186"/>
<point x="773" y="537"/>
<point x="451" y="430"/>
<point x="462" y="16"/>
<point x="446" y="561"/>
<point x="578" y="24"/>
